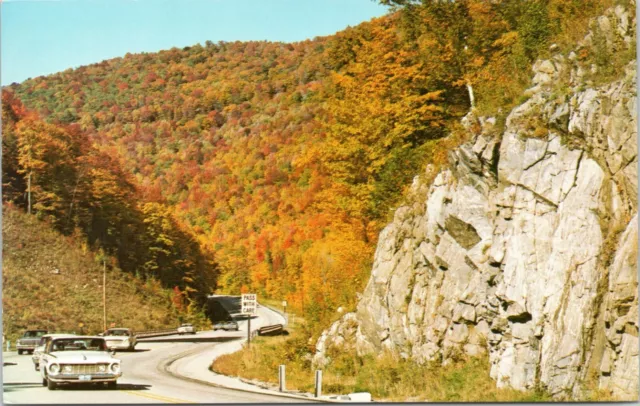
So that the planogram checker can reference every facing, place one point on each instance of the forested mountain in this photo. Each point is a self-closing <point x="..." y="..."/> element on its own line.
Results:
<point x="54" y="171"/>
<point x="283" y="159"/>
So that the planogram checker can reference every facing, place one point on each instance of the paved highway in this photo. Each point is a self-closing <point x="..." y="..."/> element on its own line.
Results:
<point x="154" y="373"/>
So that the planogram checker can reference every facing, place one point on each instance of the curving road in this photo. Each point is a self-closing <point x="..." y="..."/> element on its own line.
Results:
<point x="171" y="369"/>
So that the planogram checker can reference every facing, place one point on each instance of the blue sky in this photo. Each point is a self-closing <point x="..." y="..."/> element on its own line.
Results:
<point x="46" y="36"/>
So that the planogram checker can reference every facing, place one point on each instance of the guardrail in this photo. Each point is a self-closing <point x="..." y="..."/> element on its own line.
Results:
<point x="156" y="333"/>
<point x="271" y="330"/>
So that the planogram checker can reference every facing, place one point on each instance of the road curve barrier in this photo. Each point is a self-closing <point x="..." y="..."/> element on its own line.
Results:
<point x="156" y="333"/>
<point x="272" y="330"/>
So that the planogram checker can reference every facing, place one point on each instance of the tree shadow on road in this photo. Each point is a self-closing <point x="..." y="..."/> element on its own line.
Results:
<point x="191" y="339"/>
<point x="101" y="387"/>
<point x="16" y="387"/>
<point x="134" y="350"/>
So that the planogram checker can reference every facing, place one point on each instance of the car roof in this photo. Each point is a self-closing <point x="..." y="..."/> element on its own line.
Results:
<point x="80" y="337"/>
<point x="56" y="335"/>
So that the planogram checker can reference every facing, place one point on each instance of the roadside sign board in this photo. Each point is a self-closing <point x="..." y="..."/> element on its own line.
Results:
<point x="249" y="303"/>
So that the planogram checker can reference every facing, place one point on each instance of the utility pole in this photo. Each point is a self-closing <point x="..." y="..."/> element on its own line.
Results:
<point x="104" y="294"/>
<point x="29" y="193"/>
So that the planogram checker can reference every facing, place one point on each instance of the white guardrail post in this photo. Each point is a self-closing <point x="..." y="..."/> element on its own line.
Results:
<point x="318" y="383"/>
<point x="281" y="378"/>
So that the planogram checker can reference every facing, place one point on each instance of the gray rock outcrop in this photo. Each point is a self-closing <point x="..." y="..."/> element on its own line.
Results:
<point x="525" y="249"/>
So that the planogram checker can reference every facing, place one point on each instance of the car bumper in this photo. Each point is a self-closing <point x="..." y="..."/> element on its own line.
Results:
<point x="76" y="378"/>
<point x="28" y="347"/>
<point x="120" y="346"/>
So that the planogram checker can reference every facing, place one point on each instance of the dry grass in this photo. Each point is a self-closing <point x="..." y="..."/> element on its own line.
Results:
<point x="386" y="378"/>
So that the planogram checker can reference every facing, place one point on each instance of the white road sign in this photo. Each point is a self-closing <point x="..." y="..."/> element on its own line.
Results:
<point x="249" y="303"/>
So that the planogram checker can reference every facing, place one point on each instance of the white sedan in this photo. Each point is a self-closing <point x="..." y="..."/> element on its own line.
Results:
<point x="186" y="329"/>
<point x="79" y="360"/>
<point x="120" y="339"/>
<point x="37" y="353"/>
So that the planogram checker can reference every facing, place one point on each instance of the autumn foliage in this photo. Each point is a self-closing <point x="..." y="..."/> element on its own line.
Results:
<point x="281" y="161"/>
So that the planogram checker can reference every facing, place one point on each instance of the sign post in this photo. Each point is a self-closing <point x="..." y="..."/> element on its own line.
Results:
<point x="249" y="306"/>
<point x="284" y="308"/>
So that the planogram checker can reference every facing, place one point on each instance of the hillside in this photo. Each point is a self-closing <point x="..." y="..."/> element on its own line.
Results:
<point x="55" y="282"/>
<point x="285" y="160"/>
<point x="523" y="250"/>
<point x="54" y="172"/>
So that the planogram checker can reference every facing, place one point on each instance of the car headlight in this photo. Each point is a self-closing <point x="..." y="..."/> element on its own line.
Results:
<point x="67" y="368"/>
<point x="102" y="368"/>
<point x="115" y="368"/>
<point x="54" y="368"/>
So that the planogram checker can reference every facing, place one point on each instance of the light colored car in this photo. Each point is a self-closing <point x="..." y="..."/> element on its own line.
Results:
<point x="79" y="359"/>
<point x="37" y="352"/>
<point x="226" y="325"/>
<point x="186" y="328"/>
<point x="120" y="339"/>
<point x="29" y="341"/>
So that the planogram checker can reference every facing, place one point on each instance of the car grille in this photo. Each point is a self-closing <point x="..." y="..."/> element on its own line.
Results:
<point x="82" y="369"/>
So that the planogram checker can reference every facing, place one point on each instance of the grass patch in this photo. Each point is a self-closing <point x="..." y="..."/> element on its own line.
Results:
<point x="53" y="281"/>
<point x="386" y="378"/>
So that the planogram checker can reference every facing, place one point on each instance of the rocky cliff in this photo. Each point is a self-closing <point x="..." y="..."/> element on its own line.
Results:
<point x="526" y="247"/>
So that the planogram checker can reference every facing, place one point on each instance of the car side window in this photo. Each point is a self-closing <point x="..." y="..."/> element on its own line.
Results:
<point x="97" y="345"/>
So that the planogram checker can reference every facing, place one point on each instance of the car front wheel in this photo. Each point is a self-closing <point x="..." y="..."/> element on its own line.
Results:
<point x="51" y="385"/>
<point x="111" y="385"/>
<point x="44" y="382"/>
<point x="19" y="352"/>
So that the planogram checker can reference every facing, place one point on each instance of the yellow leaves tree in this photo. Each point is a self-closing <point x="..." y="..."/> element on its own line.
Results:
<point x="381" y="102"/>
<point x="45" y="159"/>
<point x="333" y="270"/>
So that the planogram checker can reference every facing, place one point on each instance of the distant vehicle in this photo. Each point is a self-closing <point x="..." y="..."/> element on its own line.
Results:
<point x="120" y="339"/>
<point x="37" y="352"/>
<point x="226" y="325"/>
<point x="79" y="359"/>
<point x="29" y="340"/>
<point x="186" y="328"/>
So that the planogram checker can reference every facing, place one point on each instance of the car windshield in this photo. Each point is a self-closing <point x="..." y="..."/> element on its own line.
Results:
<point x="79" y="344"/>
<point x="186" y="325"/>
<point x="117" y="333"/>
<point x="34" y="334"/>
